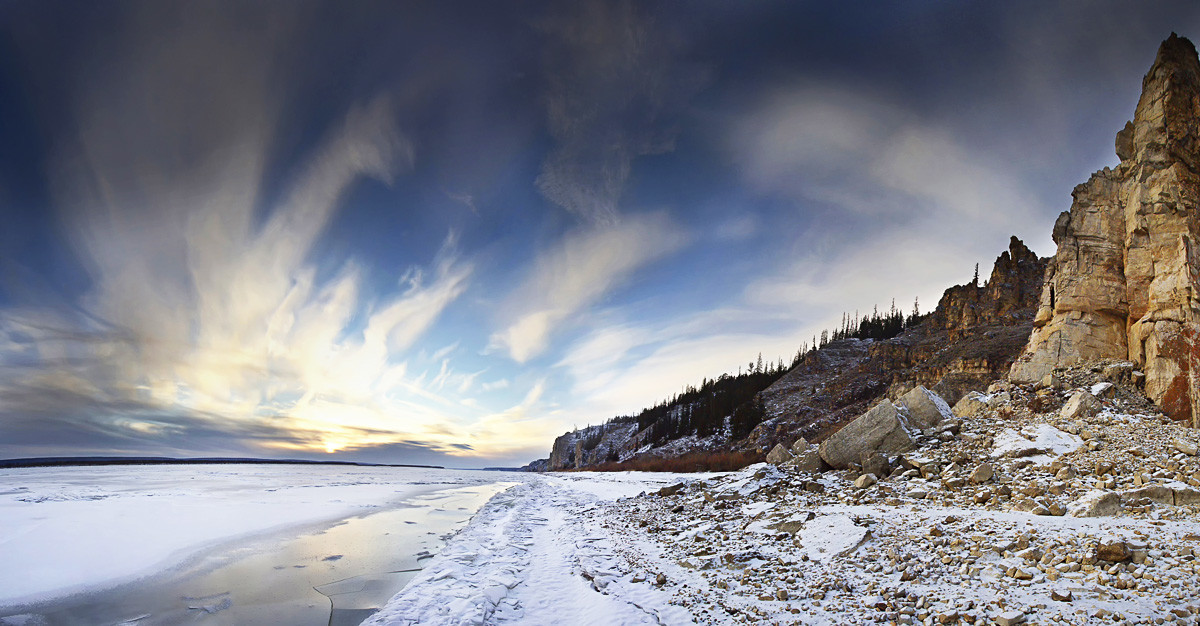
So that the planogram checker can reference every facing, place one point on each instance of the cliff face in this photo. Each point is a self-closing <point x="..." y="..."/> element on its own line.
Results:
<point x="1124" y="282"/>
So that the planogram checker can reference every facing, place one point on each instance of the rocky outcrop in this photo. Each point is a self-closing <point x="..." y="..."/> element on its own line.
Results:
<point x="1009" y="296"/>
<point x="592" y="446"/>
<point x="971" y="339"/>
<point x="1125" y="282"/>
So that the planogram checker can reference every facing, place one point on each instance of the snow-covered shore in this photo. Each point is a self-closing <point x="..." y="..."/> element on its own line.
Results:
<point x="770" y="545"/>
<point x="542" y="553"/>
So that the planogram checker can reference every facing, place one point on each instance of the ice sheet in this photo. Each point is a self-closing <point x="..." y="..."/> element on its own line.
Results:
<point x="70" y="529"/>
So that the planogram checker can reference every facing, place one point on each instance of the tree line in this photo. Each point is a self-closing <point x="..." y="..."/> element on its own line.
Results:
<point x="702" y="411"/>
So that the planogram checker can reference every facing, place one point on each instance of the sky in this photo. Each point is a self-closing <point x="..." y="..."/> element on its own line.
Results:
<point x="447" y="232"/>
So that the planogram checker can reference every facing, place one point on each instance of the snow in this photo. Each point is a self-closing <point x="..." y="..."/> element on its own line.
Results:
<point x="533" y="555"/>
<point x="831" y="536"/>
<point x="1035" y="442"/>
<point x="75" y="528"/>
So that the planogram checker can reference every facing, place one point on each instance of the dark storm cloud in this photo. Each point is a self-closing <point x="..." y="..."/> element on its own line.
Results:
<point x="615" y="82"/>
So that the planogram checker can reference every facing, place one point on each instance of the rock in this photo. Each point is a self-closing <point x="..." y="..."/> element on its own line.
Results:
<point x="973" y="404"/>
<point x="1184" y="446"/>
<point x="671" y="490"/>
<point x="864" y="481"/>
<point x="1096" y="503"/>
<point x="1062" y="595"/>
<point x="1049" y="381"/>
<point x="1186" y="496"/>
<point x="925" y="408"/>
<point x="1113" y="551"/>
<point x="808" y="461"/>
<point x="1081" y="405"/>
<point x="779" y="455"/>
<point x="881" y="429"/>
<point x="1155" y="493"/>
<point x="1117" y="372"/>
<point x="1104" y="390"/>
<point x="1010" y="618"/>
<point x="1123" y="283"/>
<point x="875" y="463"/>
<point x="801" y="445"/>
<point x="981" y="474"/>
<point x="660" y="580"/>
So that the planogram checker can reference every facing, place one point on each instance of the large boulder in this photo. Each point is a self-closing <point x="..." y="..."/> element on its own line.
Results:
<point x="1096" y="503"/>
<point x="973" y="404"/>
<point x="925" y="408"/>
<point x="882" y="429"/>
<point x="779" y="455"/>
<point x="808" y="460"/>
<point x="1081" y="405"/>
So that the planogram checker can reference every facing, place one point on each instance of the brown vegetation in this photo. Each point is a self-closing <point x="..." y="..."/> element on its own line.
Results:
<point x="692" y="462"/>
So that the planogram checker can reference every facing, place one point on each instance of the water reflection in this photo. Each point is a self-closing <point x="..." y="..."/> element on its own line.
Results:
<point x="338" y="574"/>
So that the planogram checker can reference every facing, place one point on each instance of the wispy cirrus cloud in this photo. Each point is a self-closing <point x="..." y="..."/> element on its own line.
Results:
<point x="576" y="273"/>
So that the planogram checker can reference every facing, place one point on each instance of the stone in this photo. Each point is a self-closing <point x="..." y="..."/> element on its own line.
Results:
<point x="801" y="445"/>
<point x="1113" y="551"/>
<point x="1096" y="503"/>
<point x="875" y="463"/>
<point x="660" y="580"/>
<point x="1062" y="595"/>
<point x="1117" y="372"/>
<point x="981" y="474"/>
<point x="925" y="408"/>
<point x="1081" y="405"/>
<point x="671" y="490"/>
<point x="1104" y="390"/>
<point x="1184" y="446"/>
<point x="1155" y="493"/>
<point x="864" y="481"/>
<point x="808" y="461"/>
<point x="1186" y="496"/>
<point x="779" y="455"/>
<point x="1010" y="618"/>
<point x="1049" y="381"/>
<point x="973" y="404"/>
<point x="881" y="429"/>
<point x="1125" y="282"/>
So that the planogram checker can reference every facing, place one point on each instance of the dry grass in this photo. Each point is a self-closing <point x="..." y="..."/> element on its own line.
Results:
<point x="693" y="462"/>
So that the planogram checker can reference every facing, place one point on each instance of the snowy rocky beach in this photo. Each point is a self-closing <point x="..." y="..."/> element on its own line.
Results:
<point x="1085" y="511"/>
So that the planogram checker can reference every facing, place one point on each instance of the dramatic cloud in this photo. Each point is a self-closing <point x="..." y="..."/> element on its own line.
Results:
<point x="579" y="271"/>
<point x="201" y="303"/>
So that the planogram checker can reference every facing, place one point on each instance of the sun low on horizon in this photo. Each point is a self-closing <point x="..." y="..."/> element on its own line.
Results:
<point x="445" y="233"/>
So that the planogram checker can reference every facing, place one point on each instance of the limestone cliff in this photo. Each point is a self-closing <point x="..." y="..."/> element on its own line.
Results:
<point x="1124" y="282"/>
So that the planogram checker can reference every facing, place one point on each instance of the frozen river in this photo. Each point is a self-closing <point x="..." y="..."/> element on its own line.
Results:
<point x="222" y="544"/>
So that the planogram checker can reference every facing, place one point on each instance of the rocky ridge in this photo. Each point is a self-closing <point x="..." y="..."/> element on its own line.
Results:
<point x="1125" y="281"/>
<point x="970" y="339"/>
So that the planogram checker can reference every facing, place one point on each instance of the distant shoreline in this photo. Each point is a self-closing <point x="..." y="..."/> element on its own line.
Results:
<point x="105" y="460"/>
